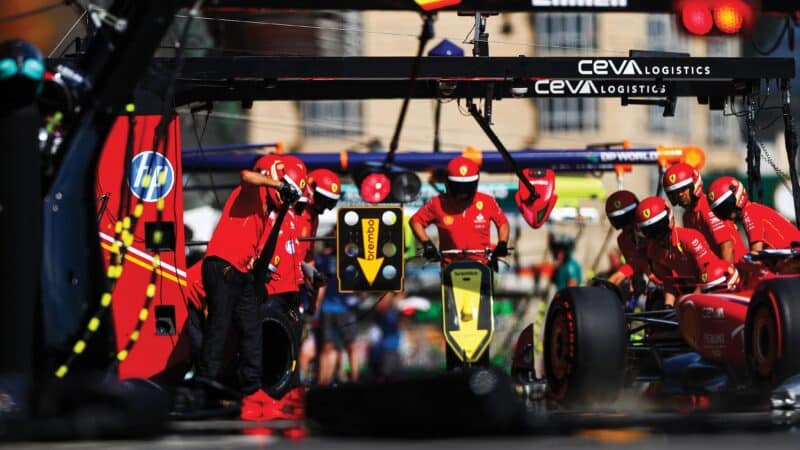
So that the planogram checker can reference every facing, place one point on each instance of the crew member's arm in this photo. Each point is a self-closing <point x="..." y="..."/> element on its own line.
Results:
<point x="726" y="251"/>
<point x="252" y="178"/>
<point x="419" y="221"/>
<point x="503" y="232"/>
<point x="721" y="233"/>
<point x="419" y="231"/>
<point x="625" y="271"/>
<point x="503" y="229"/>
<point x="756" y="247"/>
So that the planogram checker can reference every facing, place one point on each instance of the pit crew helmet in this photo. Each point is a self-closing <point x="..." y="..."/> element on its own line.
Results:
<point x="263" y="165"/>
<point x="654" y="218"/>
<point x="292" y="171"/>
<point x="621" y="208"/>
<point x="725" y="195"/>
<point x="681" y="176"/>
<point x="294" y="160"/>
<point x="324" y="189"/>
<point x="462" y="178"/>
<point x="719" y="275"/>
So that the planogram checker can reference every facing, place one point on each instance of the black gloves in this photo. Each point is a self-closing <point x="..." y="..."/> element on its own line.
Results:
<point x="430" y="252"/>
<point x="501" y="249"/>
<point x="289" y="193"/>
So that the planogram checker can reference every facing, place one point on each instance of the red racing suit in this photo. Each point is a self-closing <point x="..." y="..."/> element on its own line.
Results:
<point x="715" y="231"/>
<point x="764" y="224"/>
<point x="307" y="223"/>
<point x="286" y="275"/>
<point x="679" y="261"/>
<point x="465" y="229"/>
<point x="195" y="293"/>
<point x="241" y="229"/>
<point x="634" y="249"/>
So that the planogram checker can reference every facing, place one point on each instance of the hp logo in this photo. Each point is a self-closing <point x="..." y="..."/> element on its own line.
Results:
<point x="151" y="177"/>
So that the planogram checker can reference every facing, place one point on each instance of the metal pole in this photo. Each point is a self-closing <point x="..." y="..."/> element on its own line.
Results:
<point x="424" y="37"/>
<point x="790" y="139"/>
<point x="473" y="109"/>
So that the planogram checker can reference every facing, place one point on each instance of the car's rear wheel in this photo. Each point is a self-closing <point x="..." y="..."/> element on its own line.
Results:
<point x="772" y="331"/>
<point x="585" y="345"/>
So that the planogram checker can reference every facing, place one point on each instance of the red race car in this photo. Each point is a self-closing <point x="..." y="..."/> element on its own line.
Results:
<point x="739" y="343"/>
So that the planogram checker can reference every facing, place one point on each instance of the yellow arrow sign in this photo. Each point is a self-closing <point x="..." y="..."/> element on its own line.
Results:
<point x="467" y="294"/>
<point x="370" y="263"/>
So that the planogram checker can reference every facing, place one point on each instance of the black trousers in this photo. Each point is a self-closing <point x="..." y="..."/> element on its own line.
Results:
<point x="231" y="299"/>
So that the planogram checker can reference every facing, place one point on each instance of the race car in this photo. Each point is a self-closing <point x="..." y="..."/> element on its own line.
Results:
<point x="720" y="345"/>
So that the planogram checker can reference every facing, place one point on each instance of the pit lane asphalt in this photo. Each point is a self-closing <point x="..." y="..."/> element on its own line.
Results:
<point x="728" y="431"/>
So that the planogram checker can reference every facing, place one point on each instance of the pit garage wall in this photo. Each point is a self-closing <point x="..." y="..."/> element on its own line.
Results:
<point x="155" y="351"/>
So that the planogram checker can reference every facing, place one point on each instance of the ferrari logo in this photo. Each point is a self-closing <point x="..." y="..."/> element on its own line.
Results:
<point x="479" y="205"/>
<point x="277" y="260"/>
<point x="462" y="170"/>
<point x="704" y="277"/>
<point x="711" y="196"/>
<point x="448" y="220"/>
<point x="617" y="204"/>
<point x="672" y="178"/>
<point x="646" y="213"/>
<point x="302" y="184"/>
<point x="334" y="187"/>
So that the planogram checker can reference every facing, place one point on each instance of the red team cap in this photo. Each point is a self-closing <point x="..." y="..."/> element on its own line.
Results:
<point x="324" y="188"/>
<point x="462" y="170"/>
<point x="293" y="172"/>
<point x="719" y="275"/>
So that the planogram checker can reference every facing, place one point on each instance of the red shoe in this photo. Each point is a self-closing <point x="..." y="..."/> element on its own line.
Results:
<point x="253" y="406"/>
<point x="290" y="407"/>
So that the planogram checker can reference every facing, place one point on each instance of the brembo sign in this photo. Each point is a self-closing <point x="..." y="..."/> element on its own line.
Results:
<point x="630" y="67"/>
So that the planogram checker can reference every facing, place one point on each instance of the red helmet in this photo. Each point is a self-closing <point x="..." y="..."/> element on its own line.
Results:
<point x="725" y="195"/>
<point x="719" y="275"/>
<point x="681" y="176"/>
<point x="621" y="208"/>
<point x="324" y="189"/>
<point x="654" y="218"/>
<point x="290" y="169"/>
<point x="462" y="178"/>
<point x="294" y="160"/>
<point x="264" y="164"/>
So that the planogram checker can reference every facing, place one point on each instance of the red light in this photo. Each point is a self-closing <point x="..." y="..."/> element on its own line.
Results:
<point x="697" y="19"/>
<point x="375" y="187"/>
<point x="729" y="17"/>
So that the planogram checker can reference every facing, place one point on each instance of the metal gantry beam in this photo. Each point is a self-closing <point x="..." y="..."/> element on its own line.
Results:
<point x="466" y="6"/>
<point x="328" y="78"/>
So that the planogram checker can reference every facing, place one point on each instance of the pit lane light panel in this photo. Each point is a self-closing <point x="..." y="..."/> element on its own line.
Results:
<point x="369" y="243"/>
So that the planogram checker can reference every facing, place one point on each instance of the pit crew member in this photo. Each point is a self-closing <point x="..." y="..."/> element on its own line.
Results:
<point x="621" y="210"/>
<point x="684" y="187"/>
<point x="677" y="255"/>
<point x="462" y="216"/>
<point x="229" y="283"/>
<point x="765" y="227"/>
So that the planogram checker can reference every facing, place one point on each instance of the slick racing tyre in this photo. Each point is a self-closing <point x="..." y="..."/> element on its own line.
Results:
<point x="585" y="342"/>
<point x="772" y="331"/>
<point x="281" y="347"/>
